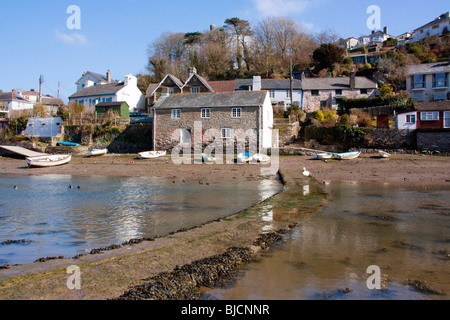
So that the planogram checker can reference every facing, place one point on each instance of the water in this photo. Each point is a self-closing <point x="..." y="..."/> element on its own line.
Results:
<point x="403" y="230"/>
<point x="59" y="221"/>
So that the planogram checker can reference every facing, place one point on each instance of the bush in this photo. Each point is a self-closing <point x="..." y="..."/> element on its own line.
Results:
<point x="318" y="115"/>
<point x="340" y="134"/>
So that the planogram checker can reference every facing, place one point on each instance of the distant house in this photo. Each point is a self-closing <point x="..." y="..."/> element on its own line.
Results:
<point x="429" y="82"/>
<point x="93" y="92"/>
<point x="376" y="38"/>
<point x="279" y="89"/>
<point x="406" y="120"/>
<point x="349" y="43"/>
<point x="89" y="79"/>
<point x="435" y="27"/>
<point x="223" y="117"/>
<point x="169" y="85"/>
<point x="121" y="108"/>
<point x="433" y="115"/>
<point x="319" y="93"/>
<point x="12" y="101"/>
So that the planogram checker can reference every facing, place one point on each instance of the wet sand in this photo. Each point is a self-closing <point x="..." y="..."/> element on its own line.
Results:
<point x="110" y="273"/>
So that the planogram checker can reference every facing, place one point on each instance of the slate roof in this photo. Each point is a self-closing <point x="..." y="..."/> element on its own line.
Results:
<point x="223" y="86"/>
<point x="9" y="96"/>
<point x="432" y="106"/>
<point x="101" y="77"/>
<point x="337" y="83"/>
<point x="201" y="79"/>
<point x="104" y="89"/>
<point x="111" y="104"/>
<point x="212" y="100"/>
<point x="269" y="84"/>
<point x="425" y="68"/>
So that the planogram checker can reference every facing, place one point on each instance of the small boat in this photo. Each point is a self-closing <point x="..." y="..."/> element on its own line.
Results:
<point x="244" y="157"/>
<point x="49" y="160"/>
<point x="97" y="152"/>
<point x="260" y="157"/>
<point x="348" y="155"/>
<point x="384" y="154"/>
<point x="68" y="144"/>
<point x="323" y="156"/>
<point x="208" y="159"/>
<point x="152" y="154"/>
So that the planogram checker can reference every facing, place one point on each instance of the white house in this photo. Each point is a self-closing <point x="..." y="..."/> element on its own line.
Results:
<point x="44" y="127"/>
<point x="429" y="82"/>
<point x="14" y="101"/>
<point x="435" y="27"/>
<point x="349" y="43"/>
<point x="279" y="89"/>
<point x="92" y="92"/>
<point x="406" y="121"/>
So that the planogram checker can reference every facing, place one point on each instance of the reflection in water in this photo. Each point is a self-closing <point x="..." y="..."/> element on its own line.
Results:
<point x="403" y="230"/>
<point x="59" y="220"/>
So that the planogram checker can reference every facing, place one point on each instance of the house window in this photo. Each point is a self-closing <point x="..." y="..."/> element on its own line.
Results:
<point x="176" y="114"/>
<point x="315" y="92"/>
<point x="171" y="90"/>
<point x="436" y="26"/>
<point x="411" y="118"/>
<point x="236" y="113"/>
<point x="440" y="80"/>
<point x="206" y="113"/>
<point x="226" y="133"/>
<point x="339" y="92"/>
<point x="272" y="94"/>
<point x="429" y="116"/>
<point x="447" y="119"/>
<point x="419" y="81"/>
<point x="323" y="103"/>
<point x="364" y="91"/>
<point x="440" y="96"/>
<point x="195" y="90"/>
<point x="288" y="94"/>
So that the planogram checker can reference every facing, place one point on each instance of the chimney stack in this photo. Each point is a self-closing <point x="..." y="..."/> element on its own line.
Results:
<point x="352" y="80"/>
<point x="257" y="83"/>
<point x="385" y="30"/>
<point x="108" y="76"/>
<point x="191" y="72"/>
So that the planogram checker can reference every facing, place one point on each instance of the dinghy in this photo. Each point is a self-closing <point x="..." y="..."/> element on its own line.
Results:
<point x="348" y="155"/>
<point x="68" y="144"/>
<point x="323" y="156"/>
<point x="97" y="152"/>
<point x="384" y="154"/>
<point x="152" y="154"/>
<point x="49" y="160"/>
<point x="208" y="159"/>
<point x="260" y="157"/>
<point x="244" y="157"/>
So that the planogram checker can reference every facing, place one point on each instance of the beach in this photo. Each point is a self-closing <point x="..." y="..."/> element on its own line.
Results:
<point x="113" y="271"/>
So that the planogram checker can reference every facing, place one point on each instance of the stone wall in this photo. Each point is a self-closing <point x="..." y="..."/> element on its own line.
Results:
<point x="433" y="140"/>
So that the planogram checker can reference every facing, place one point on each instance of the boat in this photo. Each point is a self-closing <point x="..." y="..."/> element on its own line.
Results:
<point x="384" y="154"/>
<point x="244" y="157"/>
<point x="260" y="157"/>
<point x="152" y="154"/>
<point x="97" y="152"/>
<point x="208" y="159"/>
<point x="348" y="155"/>
<point x="323" y="156"/>
<point x="68" y="144"/>
<point x="49" y="160"/>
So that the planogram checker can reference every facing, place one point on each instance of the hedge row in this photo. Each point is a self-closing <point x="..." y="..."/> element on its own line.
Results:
<point x="340" y="134"/>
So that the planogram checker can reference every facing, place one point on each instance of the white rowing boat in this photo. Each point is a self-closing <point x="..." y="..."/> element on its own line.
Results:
<point x="152" y="154"/>
<point x="244" y="157"/>
<point x="260" y="157"/>
<point x="384" y="154"/>
<point x="97" y="152"/>
<point x="323" y="156"/>
<point x="49" y="160"/>
<point x="348" y="155"/>
<point x="208" y="159"/>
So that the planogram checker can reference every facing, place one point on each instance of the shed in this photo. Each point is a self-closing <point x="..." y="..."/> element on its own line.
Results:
<point x="119" y="107"/>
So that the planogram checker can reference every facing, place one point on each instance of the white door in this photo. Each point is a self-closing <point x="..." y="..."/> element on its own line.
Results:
<point x="185" y="136"/>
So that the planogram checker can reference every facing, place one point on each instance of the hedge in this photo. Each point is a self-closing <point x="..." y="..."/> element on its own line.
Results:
<point x="340" y="134"/>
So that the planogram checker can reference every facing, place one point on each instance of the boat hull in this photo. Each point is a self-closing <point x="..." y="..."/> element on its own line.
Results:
<point x="48" y="161"/>
<point x="348" y="155"/>
<point x="152" y="154"/>
<point x="384" y="154"/>
<point x="97" y="153"/>
<point x="263" y="158"/>
<point x="244" y="157"/>
<point x="322" y="156"/>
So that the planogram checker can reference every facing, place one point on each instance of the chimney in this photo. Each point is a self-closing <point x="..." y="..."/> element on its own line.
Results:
<point x="352" y="80"/>
<point x="191" y="72"/>
<point x="257" y="83"/>
<point x="212" y="27"/>
<point x="385" y="30"/>
<point x="108" y="76"/>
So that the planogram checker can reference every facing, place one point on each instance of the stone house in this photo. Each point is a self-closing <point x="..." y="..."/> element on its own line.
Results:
<point x="213" y="118"/>
<point x="320" y="93"/>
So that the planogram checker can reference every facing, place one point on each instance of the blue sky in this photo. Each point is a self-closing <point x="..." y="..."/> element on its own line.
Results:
<point x="115" y="34"/>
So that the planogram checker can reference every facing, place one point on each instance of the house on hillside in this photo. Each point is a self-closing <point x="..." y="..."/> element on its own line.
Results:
<point x="435" y="27"/>
<point x="92" y="93"/>
<point x="14" y="101"/>
<point x="320" y="93"/>
<point x="429" y="82"/>
<point x="223" y="117"/>
<point x="169" y="85"/>
<point x="279" y="89"/>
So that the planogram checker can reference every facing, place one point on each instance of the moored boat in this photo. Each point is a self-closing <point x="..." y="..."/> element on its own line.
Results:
<point x="97" y="152"/>
<point x="49" y="160"/>
<point x="348" y="155"/>
<point x="324" y="155"/>
<point x="244" y="157"/>
<point x="152" y="154"/>
<point x="67" y="144"/>
<point x="384" y="154"/>
<point x="208" y="159"/>
<point x="260" y="157"/>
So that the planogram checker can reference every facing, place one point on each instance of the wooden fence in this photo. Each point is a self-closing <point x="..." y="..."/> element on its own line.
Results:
<point x="94" y="118"/>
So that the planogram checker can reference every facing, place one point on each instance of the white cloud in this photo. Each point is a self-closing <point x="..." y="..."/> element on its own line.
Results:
<point x="71" y="38"/>
<point x="282" y="7"/>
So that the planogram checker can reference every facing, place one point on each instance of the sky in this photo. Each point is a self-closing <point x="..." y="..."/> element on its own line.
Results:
<point x="38" y="37"/>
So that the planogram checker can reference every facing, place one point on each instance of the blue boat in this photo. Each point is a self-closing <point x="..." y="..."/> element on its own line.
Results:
<point x="68" y="144"/>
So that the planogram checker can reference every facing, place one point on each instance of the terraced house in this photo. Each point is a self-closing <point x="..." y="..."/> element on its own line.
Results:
<point x="429" y="82"/>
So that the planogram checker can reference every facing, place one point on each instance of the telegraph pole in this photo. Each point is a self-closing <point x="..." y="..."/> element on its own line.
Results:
<point x="40" y="88"/>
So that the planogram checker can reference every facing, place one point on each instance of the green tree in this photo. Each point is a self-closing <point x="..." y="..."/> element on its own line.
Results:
<point x="327" y="55"/>
<point x="240" y="29"/>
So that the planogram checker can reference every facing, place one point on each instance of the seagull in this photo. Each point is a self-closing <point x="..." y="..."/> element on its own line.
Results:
<point x="70" y="187"/>
<point x="15" y="187"/>
<point x="306" y="173"/>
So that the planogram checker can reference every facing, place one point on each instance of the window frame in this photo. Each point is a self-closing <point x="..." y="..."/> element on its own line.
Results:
<point x="411" y="116"/>
<point x="422" y="82"/>
<point x="236" y="113"/>
<point x="195" y="89"/>
<point x="446" y="123"/>
<point x="226" y="133"/>
<point x="315" y="93"/>
<point x="424" y="116"/>
<point x="205" y="113"/>
<point x="176" y="114"/>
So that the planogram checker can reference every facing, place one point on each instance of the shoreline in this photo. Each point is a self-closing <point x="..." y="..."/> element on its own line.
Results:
<point x="106" y="274"/>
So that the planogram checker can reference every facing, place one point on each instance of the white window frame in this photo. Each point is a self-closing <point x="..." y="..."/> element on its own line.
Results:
<point x="176" y="114"/>
<point x="447" y="119"/>
<point x="171" y="90"/>
<point x="206" y="113"/>
<point x="195" y="89"/>
<point x="226" y="133"/>
<point x="272" y="94"/>
<point x="429" y="116"/>
<point x="410" y="119"/>
<point x="236" y="113"/>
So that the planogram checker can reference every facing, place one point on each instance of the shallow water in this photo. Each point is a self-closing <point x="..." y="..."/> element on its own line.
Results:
<point x="405" y="231"/>
<point x="58" y="221"/>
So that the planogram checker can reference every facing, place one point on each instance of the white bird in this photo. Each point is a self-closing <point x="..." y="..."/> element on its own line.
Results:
<point x="306" y="173"/>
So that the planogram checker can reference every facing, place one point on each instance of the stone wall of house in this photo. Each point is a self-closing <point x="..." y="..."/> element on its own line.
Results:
<point x="168" y="130"/>
<point x="328" y="97"/>
<point x="436" y="140"/>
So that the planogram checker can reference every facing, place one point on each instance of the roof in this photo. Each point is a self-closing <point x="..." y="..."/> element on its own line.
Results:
<point x="104" y="89"/>
<point x="9" y="96"/>
<point x="223" y="86"/>
<point x="434" y="67"/>
<point x="201" y="79"/>
<point x="213" y="100"/>
<point x="111" y="104"/>
<point x="151" y="89"/>
<point x="337" y="83"/>
<point x="270" y="84"/>
<point x="432" y="106"/>
<point x="440" y="19"/>
<point x="101" y="77"/>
